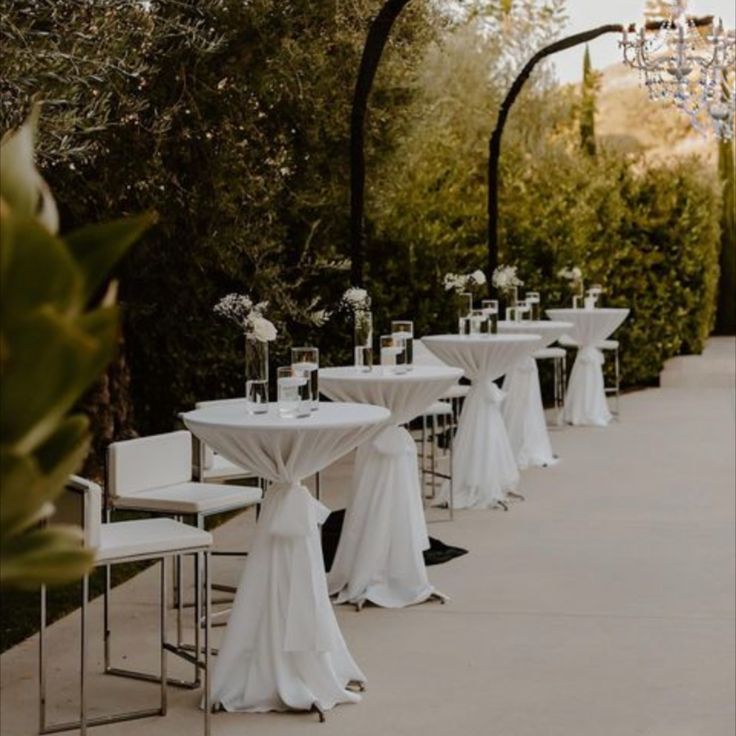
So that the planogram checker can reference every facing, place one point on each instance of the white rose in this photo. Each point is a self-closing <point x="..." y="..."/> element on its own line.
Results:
<point x="261" y="329"/>
<point x="478" y="277"/>
<point x="577" y="273"/>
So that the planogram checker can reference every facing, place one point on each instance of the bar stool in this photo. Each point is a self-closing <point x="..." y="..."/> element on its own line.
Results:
<point x="558" y="356"/>
<point x="119" y="542"/>
<point x="154" y="475"/>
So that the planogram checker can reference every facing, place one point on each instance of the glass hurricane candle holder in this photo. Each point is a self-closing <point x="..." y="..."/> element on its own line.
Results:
<point x="533" y="299"/>
<point x="364" y="358"/>
<point x="403" y="330"/>
<point x="256" y="376"/>
<point x="523" y="311"/>
<point x="479" y="322"/>
<point x="306" y="360"/>
<point x="464" y="308"/>
<point x="490" y="306"/>
<point x="393" y="354"/>
<point x="293" y="392"/>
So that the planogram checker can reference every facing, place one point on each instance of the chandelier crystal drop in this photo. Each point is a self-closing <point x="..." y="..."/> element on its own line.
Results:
<point x="691" y="67"/>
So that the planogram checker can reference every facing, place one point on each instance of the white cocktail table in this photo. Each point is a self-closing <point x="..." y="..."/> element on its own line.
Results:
<point x="484" y="469"/>
<point x="585" y="402"/>
<point x="283" y="648"/>
<point x="523" y="410"/>
<point x="379" y="557"/>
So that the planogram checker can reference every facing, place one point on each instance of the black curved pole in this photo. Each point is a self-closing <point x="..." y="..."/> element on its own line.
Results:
<point x="377" y="36"/>
<point x="494" y="143"/>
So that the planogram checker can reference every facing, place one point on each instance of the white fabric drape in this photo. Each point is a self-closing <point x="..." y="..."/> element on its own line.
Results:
<point x="283" y="648"/>
<point x="523" y="410"/>
<point x="484" y="468"/>
<point x="585" y="402"/>
<point x="379" y="557"/>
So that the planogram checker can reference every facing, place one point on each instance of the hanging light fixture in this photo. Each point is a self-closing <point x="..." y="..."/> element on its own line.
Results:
<point x="691" y="69"/>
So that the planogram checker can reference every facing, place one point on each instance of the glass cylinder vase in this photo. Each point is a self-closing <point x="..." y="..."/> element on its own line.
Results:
<point x="464" y="308"/>
<point x="363" y="339"/>
<point x="256" y="375"/>
<point x="512" y="301"/>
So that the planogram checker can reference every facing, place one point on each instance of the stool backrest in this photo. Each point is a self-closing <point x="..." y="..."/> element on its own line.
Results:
<point x="134" y="466"/>
<point x="81" y="504"/>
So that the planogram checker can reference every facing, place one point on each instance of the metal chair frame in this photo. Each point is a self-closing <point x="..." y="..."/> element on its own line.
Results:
<point x="84" y="722"/>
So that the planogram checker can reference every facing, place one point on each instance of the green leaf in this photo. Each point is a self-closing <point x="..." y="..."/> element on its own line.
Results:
<point x="35" y="269"/>
<point x="50" y="555"/>
<point x="30" y="482"/>
<point x="97" y="248"/>
<point x="50" y="362"/>
<point x="21" y="186"/>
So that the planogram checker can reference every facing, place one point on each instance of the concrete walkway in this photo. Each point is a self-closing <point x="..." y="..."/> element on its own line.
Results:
<point x="601" y="606"/>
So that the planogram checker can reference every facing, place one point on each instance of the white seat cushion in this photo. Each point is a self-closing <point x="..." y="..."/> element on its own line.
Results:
<point x="568" y="342"/>
<point x="220" y="467"/>
<point x="458" y="391"/>
<point x="190" y="498"/>
<point x="148" y="538"/>
<point x="549" y="353"/>
<point x="439" y="408"/>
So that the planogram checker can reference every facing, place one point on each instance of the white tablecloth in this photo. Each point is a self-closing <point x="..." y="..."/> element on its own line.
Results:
<point x="379" y="557"/>
<point x="585" y="402"/>
<point x="484" y="468"/>
<point x="282" y="648"/>
<point x="523" y="410"/>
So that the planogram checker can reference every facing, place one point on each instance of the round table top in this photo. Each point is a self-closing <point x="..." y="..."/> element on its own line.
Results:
<point x="470" y="340"/>
<point x="529" y="325"/>
<point x="330" y="415"/>
<point x="568" y="313"/>
<point x="483" y="356"/>
<point x="550" y="330"/>
<point x="406" y="395"/>
<point x="384" y="374"/>
<point x="591" y="325"/>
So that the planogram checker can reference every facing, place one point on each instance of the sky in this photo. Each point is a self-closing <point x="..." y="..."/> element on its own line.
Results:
<point x="604" y="51"/>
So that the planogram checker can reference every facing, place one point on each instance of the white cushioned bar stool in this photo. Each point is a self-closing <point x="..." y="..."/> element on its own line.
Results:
<point x="155" y="475"/>
<point x="118" y="542"/>
<point x="558" y="356"/>
<point x="605" y="346"/>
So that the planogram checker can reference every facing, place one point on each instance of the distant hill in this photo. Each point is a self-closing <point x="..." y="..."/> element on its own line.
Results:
<point x="628" y="121"/>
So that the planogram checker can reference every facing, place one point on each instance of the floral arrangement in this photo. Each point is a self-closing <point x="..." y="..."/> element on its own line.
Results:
<point x="460" y="283"/>
<point x="574" y="275"/>
<point x="239" y="308"/>
<point x="355" y="299"/>
<point x="505" y="278"/>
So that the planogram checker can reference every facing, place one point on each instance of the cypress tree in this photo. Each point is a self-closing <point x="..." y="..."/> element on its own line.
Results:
<point x="588" y="106"/>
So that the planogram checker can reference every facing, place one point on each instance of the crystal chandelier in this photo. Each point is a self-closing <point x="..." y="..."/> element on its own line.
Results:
<point x="692" y="68"/>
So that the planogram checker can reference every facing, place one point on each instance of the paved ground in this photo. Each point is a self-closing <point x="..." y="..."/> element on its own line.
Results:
<point x="601" y="606"/>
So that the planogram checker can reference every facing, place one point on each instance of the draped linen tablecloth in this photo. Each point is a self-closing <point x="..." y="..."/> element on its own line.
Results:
<point x="379" y="557"/>
<point x="484" y="469"/>
<point x="523" y="410"/>
<point x="585" y="401"/>
<point x="283" y="648"/>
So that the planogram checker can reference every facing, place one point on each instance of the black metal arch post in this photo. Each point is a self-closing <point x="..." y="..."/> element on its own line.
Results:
<point x="377" y="36"/>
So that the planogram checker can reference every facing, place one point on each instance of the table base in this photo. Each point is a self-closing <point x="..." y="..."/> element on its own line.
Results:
<point x="523" y="414"/>
<point x="282" y="648"/>
<point x="379" y="556"/>
<point x="484" y="469"/>
<point x="585" y="403"/>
